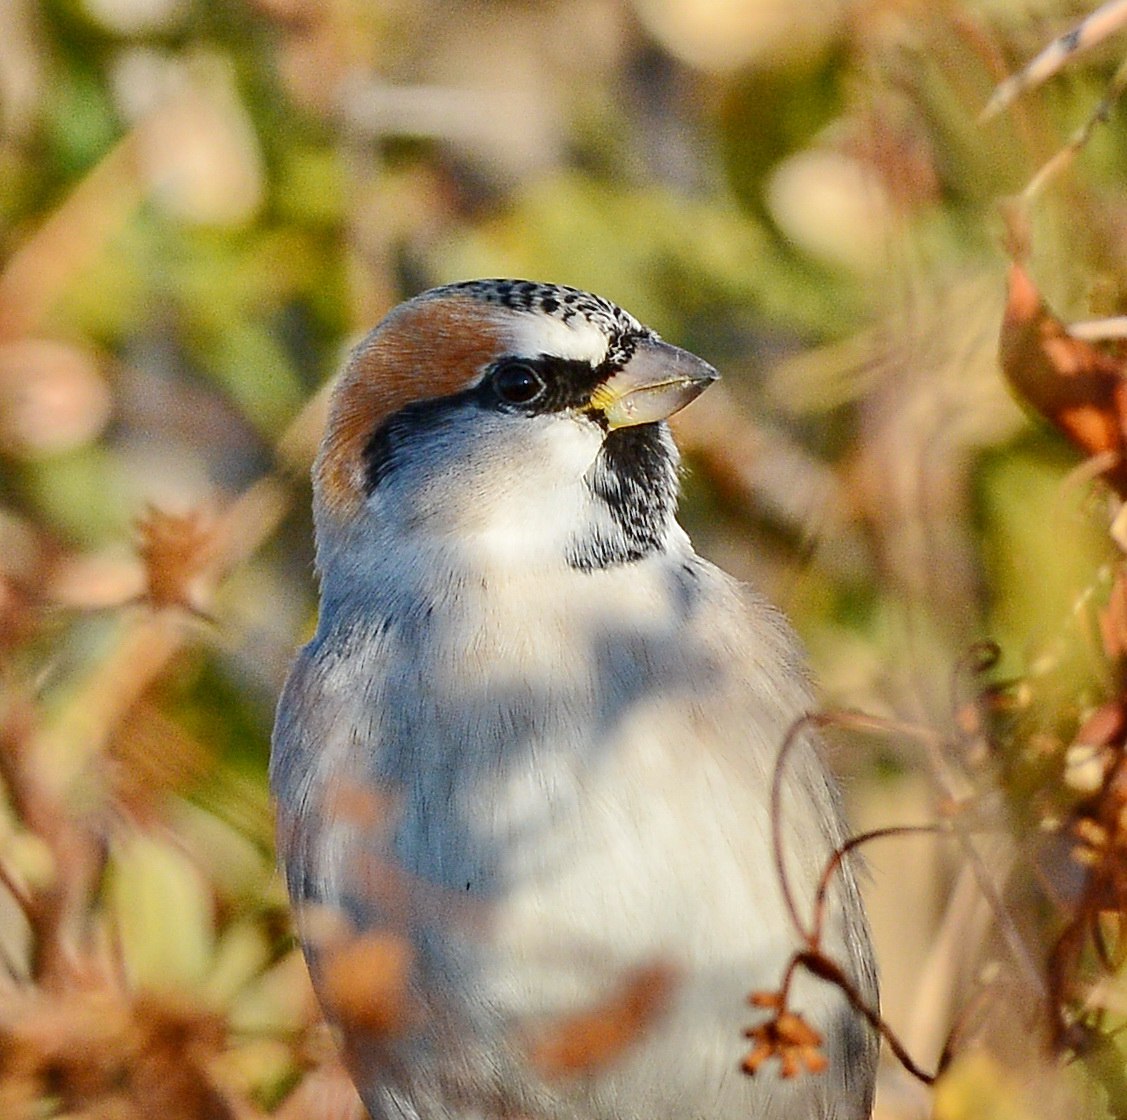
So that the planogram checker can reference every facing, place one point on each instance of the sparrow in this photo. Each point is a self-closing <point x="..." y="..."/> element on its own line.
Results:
<point x="525" y="762"/>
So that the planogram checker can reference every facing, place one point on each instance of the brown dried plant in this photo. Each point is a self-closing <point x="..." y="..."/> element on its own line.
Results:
<point x="786" y="1034"/>
<point x="1077" y="387"/>
<point x="86" y="1026"/>
<point x="178" y="553"/>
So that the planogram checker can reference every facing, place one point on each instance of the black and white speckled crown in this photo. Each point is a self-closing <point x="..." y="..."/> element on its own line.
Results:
<point x="557" y="300"/>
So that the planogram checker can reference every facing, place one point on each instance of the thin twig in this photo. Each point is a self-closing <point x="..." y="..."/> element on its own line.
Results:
<point x="19" y="895"/>
<point x="1105" y="20"/>
<point x="816" y="721"/>
<point x="825" y="969"/>
<point x="810" y="721"/>
<point x="838" y="858"/>
<point x="1079" y="139"/>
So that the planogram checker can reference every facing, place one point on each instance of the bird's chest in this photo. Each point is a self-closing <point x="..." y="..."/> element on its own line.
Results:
<point x="504" y="739"/>
<point x="514" y="730"/>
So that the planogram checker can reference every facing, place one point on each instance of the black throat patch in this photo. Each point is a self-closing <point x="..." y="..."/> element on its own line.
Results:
<point x="635" y="477"/>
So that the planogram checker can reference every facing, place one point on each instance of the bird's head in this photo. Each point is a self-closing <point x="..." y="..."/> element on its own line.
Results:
<point x="518" y="420"/>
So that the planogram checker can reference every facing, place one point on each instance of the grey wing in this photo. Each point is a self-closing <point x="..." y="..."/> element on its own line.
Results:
<point x="307" y="739"/>
<point x="774" y="693"/>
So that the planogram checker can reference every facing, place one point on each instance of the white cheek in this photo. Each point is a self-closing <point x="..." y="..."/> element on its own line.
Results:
<point x="534" y="504"/>
<point x="510" y="492"/>
<point x="569" y="446"/>
<point x="577" y="339"/>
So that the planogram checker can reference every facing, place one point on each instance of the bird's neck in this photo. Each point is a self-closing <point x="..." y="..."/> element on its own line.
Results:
<point x="420" y="580"/>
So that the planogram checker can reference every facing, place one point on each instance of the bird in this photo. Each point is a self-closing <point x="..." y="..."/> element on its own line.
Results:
<point x="522" y="769"/>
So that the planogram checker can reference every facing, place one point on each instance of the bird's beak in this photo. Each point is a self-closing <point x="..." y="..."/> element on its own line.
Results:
<point x="658" y="380"/>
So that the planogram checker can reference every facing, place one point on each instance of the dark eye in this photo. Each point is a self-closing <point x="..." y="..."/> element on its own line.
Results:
<point x="517" y="383"/>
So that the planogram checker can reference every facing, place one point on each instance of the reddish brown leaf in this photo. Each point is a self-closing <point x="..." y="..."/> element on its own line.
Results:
<point x="1113" y="618"/>
<point x="1077" y="388"/>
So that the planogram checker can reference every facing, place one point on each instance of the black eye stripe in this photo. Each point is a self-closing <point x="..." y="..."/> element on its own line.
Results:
<point x="568" y="382"/>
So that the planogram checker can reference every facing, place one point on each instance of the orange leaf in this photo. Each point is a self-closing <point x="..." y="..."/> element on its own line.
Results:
<point x="1113" y="618"/>
<point x="1077" y="388"/>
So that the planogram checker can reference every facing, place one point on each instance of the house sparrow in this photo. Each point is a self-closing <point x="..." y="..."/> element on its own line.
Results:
<point x="525" y="763"/>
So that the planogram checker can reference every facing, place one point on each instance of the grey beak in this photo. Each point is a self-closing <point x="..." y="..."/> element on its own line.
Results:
<point x="656" y="382"/>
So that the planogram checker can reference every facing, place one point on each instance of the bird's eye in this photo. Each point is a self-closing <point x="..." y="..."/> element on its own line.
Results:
<point x="517" y="383"/>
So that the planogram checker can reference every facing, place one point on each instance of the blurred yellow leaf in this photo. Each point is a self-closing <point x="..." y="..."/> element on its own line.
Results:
<point x="280" y="999"/>
<point x="242" y="953"/>
<point x="236" y="864"/>
<point x="162" y="910"/>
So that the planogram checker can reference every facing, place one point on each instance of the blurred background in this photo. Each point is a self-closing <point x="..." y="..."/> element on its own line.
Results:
<point x="202" y="202"/>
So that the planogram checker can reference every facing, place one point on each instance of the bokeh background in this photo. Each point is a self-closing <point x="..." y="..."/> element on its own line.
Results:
<point x="202" y="202"/>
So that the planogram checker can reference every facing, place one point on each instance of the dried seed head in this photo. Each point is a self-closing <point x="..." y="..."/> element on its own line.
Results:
<point x="178" y="553"/>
